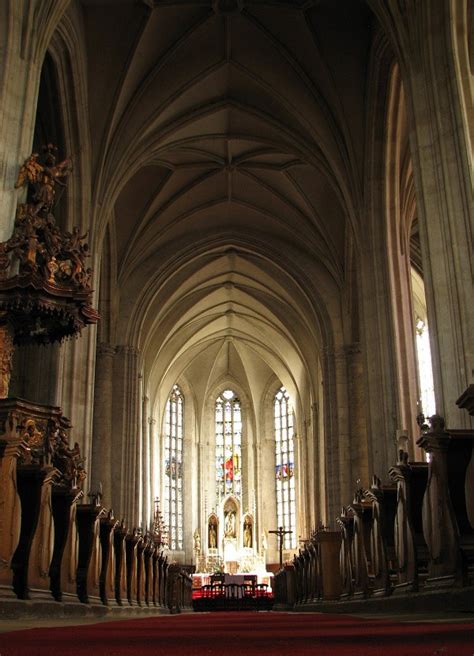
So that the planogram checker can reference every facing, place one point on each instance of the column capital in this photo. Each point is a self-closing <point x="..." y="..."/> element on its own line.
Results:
<point x="104" y="348"/>
<point x="127" y="349"/>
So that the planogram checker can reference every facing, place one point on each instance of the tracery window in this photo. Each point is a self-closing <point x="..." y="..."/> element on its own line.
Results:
<point x="284" y="466"/>
<point x="228" y="415"/>
<point x="173" y="452"/>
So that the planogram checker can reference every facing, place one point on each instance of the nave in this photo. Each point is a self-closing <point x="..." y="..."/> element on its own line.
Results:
<point x="236" y="318"/>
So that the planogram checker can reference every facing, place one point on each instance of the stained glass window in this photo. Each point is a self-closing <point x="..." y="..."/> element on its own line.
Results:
<point x="173" y="452"/>
<point x="228" y="445"/>
<point x="285" y="466"/>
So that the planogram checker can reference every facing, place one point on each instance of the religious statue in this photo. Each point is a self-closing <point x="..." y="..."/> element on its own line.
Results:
<point x="229" y="524"/>
<point x="264" y="544"/>
<point x="43" y="177"/>
<point x="197" y="541"/>
<point x="248" y="533"/>
<point x="212" y="533"/>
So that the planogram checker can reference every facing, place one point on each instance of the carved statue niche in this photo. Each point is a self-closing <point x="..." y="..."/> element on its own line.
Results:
<point x="248" y="532"/>
<point x="230" y="519"/>
<point x="212" y="532"/>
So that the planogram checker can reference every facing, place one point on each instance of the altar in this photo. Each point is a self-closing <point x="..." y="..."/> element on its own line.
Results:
<point x="230" y="548"/>
<point x="262" y="580"/>
<point x="232" y="592"/>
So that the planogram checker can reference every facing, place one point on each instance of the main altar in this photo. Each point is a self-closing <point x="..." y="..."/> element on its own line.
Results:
<point x="230" y="549"/>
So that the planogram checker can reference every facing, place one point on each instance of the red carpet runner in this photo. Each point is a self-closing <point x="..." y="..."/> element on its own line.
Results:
<point x="245" y="634"/>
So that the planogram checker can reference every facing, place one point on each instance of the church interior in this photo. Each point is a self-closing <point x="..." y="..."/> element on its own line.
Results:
<point x="236" y="305"/>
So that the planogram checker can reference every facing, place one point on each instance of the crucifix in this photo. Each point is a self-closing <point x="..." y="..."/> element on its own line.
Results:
<point x="280" y="533"/>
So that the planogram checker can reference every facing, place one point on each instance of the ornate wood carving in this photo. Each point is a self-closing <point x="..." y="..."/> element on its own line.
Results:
<point x="6" y="355"/>
<point x="45" y="285"/>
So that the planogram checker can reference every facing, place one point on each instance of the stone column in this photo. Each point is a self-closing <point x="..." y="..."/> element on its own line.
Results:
<point x="103" y="431"/>
<point x="126" y="489"/>
<point x="337" y="445"/>
<point x="426" y="37"/>
<point x="147" y="511"/>
<point x="357" y="415"/>
<point x="441" y="157"/>
<point x="154" y="492"/>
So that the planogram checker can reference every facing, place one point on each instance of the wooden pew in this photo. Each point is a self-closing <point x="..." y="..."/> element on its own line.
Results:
<point x="63" y="569"/>
<point x="12" y="447"/>
<point x="382" y="538"/>
<point x="362" y="514"/>
<point x="328" y="568"/>
<point x="32" y="558"/>
<point x="298" y="569"/>
<point x="447" y="526"/>
<point x="410" y="545"/>
<point x="66" y="493"/>
<point x="346" y="524"/>
<point x="131" y="543"/>
<point x="148" y="562"/>
<point x="107" y="569"/>
<point x="156" y="577"/>
<point x="90" y="556"/>
<point x="141" y="544"/>
<point x="120" y="579"/>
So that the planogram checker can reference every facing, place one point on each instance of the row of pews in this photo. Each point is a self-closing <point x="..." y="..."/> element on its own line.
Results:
<point x="56" y="547"/>
<point x="414" y="533"/>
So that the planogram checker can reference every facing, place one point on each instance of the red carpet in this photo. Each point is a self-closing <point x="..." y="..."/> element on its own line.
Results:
<point x="245" y="634"/>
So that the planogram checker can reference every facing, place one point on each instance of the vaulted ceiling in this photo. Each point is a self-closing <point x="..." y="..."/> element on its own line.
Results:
<point x="228" y="150"/>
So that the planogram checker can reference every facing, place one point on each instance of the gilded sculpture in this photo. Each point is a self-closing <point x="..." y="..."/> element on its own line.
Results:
<point x="68" y="461"/>
<point x="45" y="283"/>
<point x="37" y="243"/>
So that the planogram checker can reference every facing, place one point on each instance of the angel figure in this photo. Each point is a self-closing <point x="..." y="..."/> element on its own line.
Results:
<point x="43" y="177"/>
<point x="31" y="171"/>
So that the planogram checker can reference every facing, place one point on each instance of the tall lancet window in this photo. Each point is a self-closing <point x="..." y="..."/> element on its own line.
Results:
<point x="285" y="466"/>
<point x="228" y="445"/>
<point x="425" y="370"/>
<point x="173" y="443"/>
